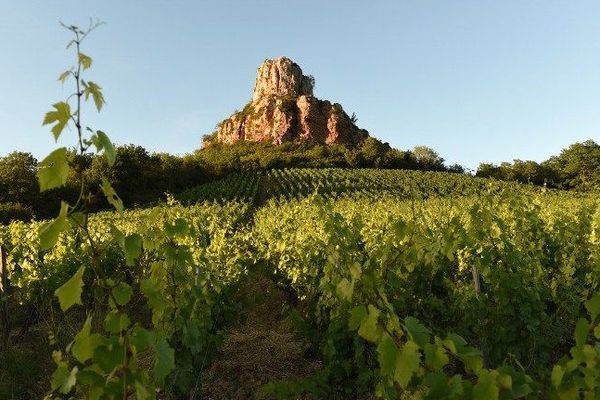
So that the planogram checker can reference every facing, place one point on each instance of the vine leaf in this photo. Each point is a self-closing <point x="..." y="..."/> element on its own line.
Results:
<point x="86" y="343"/>
<point x="386" y="355"/>
<point x="593" y="306"/>
<point x="165" y="359"/>
<point x="63" y="379"/>
<point x="417" y="332"/>
<point x="368" y="327"/>
<point x="557" y="375"/>
<point x="435" y="356"/>
<point x="486" y="388"/>
<point x="63" y="77"/>
<point x="69" y="294"/>
<point x="91" y="88"/>
<point x="581" y="331"/>
<point x="102" y="142"/>
<point x="132" y="246"/>
<point x="358" y="314"/>
<point x="53" y="170"/>
<point x="111" y="195"/>
<point x="85" y="60"/>
<point x="122" y="293"/>
<point x="345" y="289"/>
<point x="50" y="231"/>
<point x="407" y="363"/>
<point x="60" y="117"/>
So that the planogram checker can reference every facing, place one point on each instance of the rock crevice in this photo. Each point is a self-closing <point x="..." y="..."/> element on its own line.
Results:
<point x="283" y="108"/>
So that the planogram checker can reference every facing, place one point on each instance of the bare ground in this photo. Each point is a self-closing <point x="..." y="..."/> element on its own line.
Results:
<point x="260" y="349"/>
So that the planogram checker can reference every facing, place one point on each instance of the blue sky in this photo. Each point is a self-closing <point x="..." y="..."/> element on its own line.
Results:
<point x="476" y="80"/>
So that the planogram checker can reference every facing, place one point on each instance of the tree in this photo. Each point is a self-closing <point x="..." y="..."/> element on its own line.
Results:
<point x="428" y="158"/>
<point x="18" y="180"/>
<point x="580" y="164"/>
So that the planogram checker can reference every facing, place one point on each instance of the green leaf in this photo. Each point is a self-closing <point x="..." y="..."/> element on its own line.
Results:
<point x="486" y="387"/>
<point x="435" y="356"/>
<point x="165" y="360"/>
<point x="116" y="322"/>
<point x="122" y="293"/>
<point x="581" y="331"/>
<point x="407" y="363"/>
<point x="59" y="117"/>
<point x="557" y="374"/>
<point x="50" y="231"/>
<point x="357" y="315"/>
<point x="504" y="381"/>
<point x="102" y="142"/>
<point x="133" y="248"/>
<point x="85" y="343"/>
<point x="521" y="390"/>
<point x="368" y="328"/>
<point x="142" y="392"/>
<point x="86" y="61"/>
<point x="111" y="195"/>
<point x="91" y="88"/>
<point x="345" y="289"/>
<point x="63" y="77"/>
<point x="70" y="293"/>
<point x="386" y="355"/>
<point x="593" y="306"/>
<point x="53" y="170"/>
<point x="110" y="355"/>
<point x="140" y="338"/>
<point x="416" y="331"/>
<point x="62" y="379"/>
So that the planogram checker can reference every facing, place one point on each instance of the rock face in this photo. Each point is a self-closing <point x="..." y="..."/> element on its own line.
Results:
<point x="283" y="108"/>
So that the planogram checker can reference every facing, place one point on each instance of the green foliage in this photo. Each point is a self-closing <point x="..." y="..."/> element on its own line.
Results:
<point x="92" y="89"/>
<point x="14" y="212"/>
<point x="372" y="259"/>
<point x="577" y="167"/>
<point x="69" y="294"/>
<point x="53" y="170"/>
<point x="59" y="117"/>
<point x="50" y="231"/>
<point x="102" y="142"/>
<point x="385" y="266"/>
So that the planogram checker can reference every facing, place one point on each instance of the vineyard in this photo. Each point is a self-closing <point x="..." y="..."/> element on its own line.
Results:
<point x="331" y="183"/>
<point x="297" y="284"/>
<point x="405" y="284"/>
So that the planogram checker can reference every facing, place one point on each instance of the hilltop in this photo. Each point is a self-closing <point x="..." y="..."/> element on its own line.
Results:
<point x="283" y="108"/>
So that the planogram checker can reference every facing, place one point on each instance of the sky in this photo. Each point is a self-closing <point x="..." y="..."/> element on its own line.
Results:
<point x="477" y="80"/>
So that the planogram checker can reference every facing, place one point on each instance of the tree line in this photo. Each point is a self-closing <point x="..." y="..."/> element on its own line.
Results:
<point x="143" y="178"/>
<point x="576" y="167"/>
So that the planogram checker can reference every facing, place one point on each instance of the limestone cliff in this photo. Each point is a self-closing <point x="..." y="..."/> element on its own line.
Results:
<point x="283" y="108"/>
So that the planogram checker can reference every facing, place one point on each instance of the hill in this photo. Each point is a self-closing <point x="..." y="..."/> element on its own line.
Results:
<point x="283" y="108"/>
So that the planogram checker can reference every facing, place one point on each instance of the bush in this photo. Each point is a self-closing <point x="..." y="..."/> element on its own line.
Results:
<point x="14" y="212"/>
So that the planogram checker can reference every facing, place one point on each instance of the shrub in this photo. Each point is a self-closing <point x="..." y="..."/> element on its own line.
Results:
<point x="14" y="212"/>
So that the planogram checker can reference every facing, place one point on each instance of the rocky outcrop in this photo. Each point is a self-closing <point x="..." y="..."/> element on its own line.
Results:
<point x="281" y="77"/>
<point x="283" y="108"/>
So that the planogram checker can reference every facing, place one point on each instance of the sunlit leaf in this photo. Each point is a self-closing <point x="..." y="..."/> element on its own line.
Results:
<point x="102" y="142"/>
<point x="92" y="89"/>
<point x="407" y="363"/>
<point x="50" y="231"/>
<point x="111" y="195"/>
<point x="53" y="170"/>
<point x="59" y="117"/>
<point x="63" y="77"/>
<point x="86" y="61"/>
<point x="69" y="294"/>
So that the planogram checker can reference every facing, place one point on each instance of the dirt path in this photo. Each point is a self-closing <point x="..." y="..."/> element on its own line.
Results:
<point x="261" y="348"/>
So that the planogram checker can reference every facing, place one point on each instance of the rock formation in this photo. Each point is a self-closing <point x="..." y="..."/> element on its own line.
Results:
<point x="283" y="108"/>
